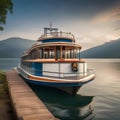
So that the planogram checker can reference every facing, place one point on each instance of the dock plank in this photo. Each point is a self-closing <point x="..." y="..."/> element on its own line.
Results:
<point x="26" y="104"/>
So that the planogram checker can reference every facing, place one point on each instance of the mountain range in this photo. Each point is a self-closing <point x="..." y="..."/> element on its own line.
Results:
<point x="14" y="48"/>
<point x="107" y="50"/>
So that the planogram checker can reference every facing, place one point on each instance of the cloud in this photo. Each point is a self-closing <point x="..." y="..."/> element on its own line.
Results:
<point x="111" y="15"/>
<point x="109" y="21"/>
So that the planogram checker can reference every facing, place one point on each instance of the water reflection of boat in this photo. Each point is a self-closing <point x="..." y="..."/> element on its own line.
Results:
<point x="55" y="61"/>
<point x="65" y="106"/>
<point x="82" y="110"/>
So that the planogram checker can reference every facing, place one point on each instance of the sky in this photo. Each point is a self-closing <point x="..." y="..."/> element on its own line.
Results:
<point x="91" y="21"/>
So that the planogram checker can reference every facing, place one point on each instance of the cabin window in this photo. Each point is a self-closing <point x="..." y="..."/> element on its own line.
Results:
<point x="45" y="54"/>
<point x="40" y="53"/>
<point x="51" y="53"/>
<point x="63" y="52"/>
<point x="78" y="52"/>
<point x="32" y="55"/>
<point x="75" y="54"/>
<point x="58" y="52"/>
<point x="70" y="53"/>
<point x="26" y="66"/>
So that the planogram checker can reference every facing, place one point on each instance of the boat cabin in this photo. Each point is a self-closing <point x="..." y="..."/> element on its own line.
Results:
<point x="54" y="49"/>
<point x="58" y="46"/>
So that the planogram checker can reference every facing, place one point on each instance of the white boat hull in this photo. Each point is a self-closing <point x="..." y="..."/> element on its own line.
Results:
<point x="66" y="85"/>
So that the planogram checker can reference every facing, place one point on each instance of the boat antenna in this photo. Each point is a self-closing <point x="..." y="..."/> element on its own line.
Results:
<point x="50" y="24"/>
<point x="50" y="27"/>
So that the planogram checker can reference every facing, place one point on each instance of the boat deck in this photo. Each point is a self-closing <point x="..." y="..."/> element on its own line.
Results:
<point x="67" y="77"/>
<point x="26" y="104"/>
<point x="74" y="77"/>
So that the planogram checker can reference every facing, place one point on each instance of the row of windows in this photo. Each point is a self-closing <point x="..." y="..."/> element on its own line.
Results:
<point x="55" y="53"/>
<point x="27" y="66"/>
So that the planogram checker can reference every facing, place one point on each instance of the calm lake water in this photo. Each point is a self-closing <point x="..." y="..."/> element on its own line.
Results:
<point x="97" y="100"/>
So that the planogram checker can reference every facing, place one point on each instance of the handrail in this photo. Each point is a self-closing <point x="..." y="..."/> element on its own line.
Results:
<point x="56" y="35"/>
<point x="60" y="74"/>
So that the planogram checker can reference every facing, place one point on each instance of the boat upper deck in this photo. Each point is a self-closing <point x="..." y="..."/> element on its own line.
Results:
<point x="68" y="37"/>
<point x="52" y="35"/>
<point x="54" y="45"/>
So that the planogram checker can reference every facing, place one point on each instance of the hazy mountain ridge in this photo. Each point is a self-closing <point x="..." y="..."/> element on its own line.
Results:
<point x="108" y="50"/>
<point x="14" y="47"/>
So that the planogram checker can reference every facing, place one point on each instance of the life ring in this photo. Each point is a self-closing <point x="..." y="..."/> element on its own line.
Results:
<point x="74" y="67"/>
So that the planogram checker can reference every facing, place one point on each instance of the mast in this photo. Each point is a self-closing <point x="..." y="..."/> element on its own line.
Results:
<point x="50" y="29"/>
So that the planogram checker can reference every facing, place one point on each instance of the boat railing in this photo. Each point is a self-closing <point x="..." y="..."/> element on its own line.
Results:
<point x="78" y="75"/>
<point x="56" y="35"/>
<point x="62" y="75"/>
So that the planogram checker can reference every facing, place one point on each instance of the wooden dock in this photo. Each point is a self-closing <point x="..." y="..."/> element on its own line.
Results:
<point x="26" y="104"/>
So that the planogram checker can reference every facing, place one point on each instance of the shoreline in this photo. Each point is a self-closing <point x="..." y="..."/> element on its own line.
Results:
<point x="6" y="112"/>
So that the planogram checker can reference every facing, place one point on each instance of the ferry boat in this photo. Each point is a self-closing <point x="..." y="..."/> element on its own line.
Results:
<point x="54" y="61"/>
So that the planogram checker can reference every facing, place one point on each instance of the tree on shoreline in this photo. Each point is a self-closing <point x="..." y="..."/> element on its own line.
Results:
<point x="5" y="6"/>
